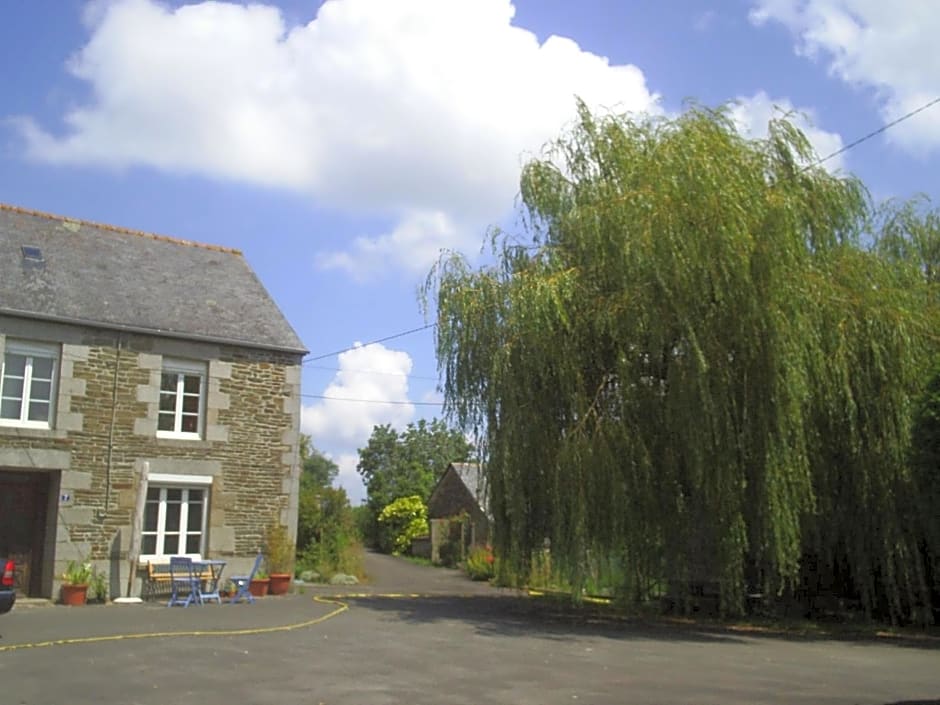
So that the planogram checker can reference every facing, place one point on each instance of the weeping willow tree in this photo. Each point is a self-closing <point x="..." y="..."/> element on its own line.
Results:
<point x="700" y="368"/>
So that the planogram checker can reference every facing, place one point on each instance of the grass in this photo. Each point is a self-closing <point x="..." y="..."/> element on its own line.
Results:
<point x="418" y="560"/>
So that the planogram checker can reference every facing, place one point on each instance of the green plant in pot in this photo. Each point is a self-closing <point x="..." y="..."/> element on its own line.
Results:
<point x="279" y="552"/>
<point x="260" y="583"/>
<point x="75" y="582"/>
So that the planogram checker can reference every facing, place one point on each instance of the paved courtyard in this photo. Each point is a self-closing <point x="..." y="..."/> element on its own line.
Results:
<point x="458" y="642"/>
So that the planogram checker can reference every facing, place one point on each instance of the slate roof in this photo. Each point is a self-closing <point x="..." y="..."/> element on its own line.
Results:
<point x="472" y="477"/>
<point x="105" y="276"/>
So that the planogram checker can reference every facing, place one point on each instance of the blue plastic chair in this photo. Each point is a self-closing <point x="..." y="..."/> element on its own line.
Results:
<point x="209" y="590"/>
<point x="183" y="581"/>
<point x="243" y="582"/>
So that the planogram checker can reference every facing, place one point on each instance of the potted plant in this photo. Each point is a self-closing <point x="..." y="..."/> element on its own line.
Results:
<point x="279" y="557"/>
<point x="75" y="581"/>
<point x="258" y="586"/>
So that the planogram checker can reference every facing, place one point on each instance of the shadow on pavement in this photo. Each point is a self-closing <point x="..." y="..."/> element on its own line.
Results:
<point x="525" y="617"/>
<point x="522" y="616"/>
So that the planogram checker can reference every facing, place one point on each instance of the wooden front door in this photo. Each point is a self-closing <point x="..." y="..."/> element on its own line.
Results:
<point x="23" y="500"/>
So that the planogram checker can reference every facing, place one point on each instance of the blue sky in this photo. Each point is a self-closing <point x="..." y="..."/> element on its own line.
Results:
<point x="340" y="145"/>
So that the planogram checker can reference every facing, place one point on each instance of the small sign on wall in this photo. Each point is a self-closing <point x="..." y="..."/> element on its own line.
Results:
<point x="65" y="498"/>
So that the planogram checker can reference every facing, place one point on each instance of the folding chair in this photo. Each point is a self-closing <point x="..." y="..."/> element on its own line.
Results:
<point x="210" y="573"/>
<point x="183" y="580"/>
<point x="242" y="583"/>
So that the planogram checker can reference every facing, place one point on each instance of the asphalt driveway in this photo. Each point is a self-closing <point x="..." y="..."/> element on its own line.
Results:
<point x="459" y="642"/>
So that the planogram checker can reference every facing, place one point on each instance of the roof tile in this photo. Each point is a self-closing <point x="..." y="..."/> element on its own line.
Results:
<point x="116" y="277"/>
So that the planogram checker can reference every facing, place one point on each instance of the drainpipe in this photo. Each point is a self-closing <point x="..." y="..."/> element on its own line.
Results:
<point x="114" y="390"/>
<point x="137" y="525"/>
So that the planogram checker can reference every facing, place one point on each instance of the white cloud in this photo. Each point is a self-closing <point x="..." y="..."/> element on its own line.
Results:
<point x="373" y="373"/>
<point x="415" y="109"/>
<point x="413" y="243"/>
<point x="888" y="46"/>
<point x="752" y="116"/>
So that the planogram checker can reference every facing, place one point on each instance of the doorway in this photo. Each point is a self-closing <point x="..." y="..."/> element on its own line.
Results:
<point x="24" y="502"/>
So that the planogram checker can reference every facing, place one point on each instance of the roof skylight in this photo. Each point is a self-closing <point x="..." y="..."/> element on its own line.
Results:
<point x="32" y="253"/>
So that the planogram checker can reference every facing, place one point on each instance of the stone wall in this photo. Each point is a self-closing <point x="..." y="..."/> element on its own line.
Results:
<point x="105" y="430"/>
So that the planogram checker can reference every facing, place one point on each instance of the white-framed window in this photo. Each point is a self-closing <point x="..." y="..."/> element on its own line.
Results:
<point x="27" y="384"/>
<point x="182" y="400"/>
<point x="175" y="516"/>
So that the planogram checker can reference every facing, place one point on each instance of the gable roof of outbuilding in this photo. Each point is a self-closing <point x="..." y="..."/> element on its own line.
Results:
<point x="471" y="477"/>
<point x="110" y="277"/>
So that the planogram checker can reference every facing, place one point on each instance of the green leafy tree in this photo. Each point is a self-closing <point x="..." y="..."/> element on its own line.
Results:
<point x="327" y="537"/>
<point x="910" y="233"/>
<point x="331" y="539"/>
<point x="401" y="521"/>
<point x="317" y="469"/>
<point x="696" y="367"/>
<point x="925" y="456"/>
<point x="317" y="474"/>
<point x="378" y="461"/>
<point x="395" y="465"/>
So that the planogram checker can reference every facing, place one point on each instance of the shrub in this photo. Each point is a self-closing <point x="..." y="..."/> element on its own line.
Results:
<point x="449" y="553"/>
<point x="401" y="521"/>
<point x="481" y="563"/>
<point x="328" y="541"/>
<point x="451" y="550"/>
<point x="278" y="549"/>
<point x="98" y="585"/>
<point x="317" y="562"/>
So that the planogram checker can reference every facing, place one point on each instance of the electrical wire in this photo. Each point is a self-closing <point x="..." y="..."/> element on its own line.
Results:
<point x="873" y="133"/>
<point x="372" y="372"/>
<point x="818" y="162"/>
<point x="371" y="342"/>
<point x="374" y="401"/>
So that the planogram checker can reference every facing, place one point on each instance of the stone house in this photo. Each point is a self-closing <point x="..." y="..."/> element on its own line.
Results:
<point x="457" y="512"/>
<point x="125" y="353"/>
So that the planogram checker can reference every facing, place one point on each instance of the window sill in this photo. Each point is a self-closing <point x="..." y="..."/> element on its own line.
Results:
<point x="163" y="559"/>
<point x="173" y="436"/>
<point x="187" y="443"/>
<point x="35" y="425"/>
<point x="30" y="431"/>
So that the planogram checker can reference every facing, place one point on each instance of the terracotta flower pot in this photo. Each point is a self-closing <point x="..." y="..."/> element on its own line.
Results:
<point x="74" y="595"/>
<point x="259" y="587"/>
<point x="280" y="583"/>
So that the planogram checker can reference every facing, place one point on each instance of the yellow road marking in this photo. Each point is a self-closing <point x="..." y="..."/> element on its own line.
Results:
<point x="332" y="600"/>
<point x="341" y="607"/>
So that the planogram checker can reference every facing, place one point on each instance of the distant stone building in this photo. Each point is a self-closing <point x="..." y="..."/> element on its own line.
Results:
<point x="461" y="492"/>
<point x="121" y="351"/>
